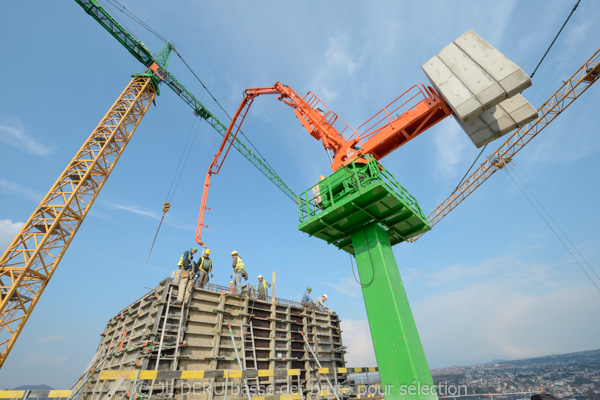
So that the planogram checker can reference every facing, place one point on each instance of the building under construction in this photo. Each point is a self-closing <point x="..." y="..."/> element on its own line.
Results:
<point x="217" y="332"/>
<point x="219" y="345"/>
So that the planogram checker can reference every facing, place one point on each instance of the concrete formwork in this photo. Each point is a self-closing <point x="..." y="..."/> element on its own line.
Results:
<point x="154" y="333"/>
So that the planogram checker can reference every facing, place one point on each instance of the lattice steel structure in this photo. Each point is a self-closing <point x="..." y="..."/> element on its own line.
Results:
<point x="31" y="259"/>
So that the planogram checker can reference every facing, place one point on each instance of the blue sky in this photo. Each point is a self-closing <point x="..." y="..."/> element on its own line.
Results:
<point x="490" y="281"/>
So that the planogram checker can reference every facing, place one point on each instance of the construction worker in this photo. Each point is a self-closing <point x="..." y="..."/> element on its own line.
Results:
<point x="231" y="287"/>
<point x="204" y="268"/>
<point x="261" y="288"/>
<point x="187" y="255"/>
<point x="306" y="300"/>
<point x="188" y="270"/>
<point x="239" y="271"/>
<point x="320" y="302"/>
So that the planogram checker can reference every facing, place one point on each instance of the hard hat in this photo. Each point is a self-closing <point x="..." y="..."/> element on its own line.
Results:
<point x="195" y="249"/>
<point x="309" y="289"/>
<point x="324" y="296"/>
<point x="231" y="283"/>
<point x="234" y="252"/>
<point x="260" y="277"/>
<point x="207" y="251"/>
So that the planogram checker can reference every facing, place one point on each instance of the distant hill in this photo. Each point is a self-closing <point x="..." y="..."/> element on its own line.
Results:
<point x="33" y="387"/>
<point x="569" y="357"/>
<point x="582" y="356"/>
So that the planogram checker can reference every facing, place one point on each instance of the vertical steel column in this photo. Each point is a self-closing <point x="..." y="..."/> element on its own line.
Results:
<point x="402" y="364"/>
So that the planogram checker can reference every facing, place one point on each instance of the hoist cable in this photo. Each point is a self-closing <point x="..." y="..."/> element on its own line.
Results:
<point x="372" y="264"/>
<point x="131" y="15"/>
<point x="189" y="150"/>
<point x="175" y="180"/>
<point x="556" y="224"/>
<point x="228" y="116"/>
<point x="556" y="37"/>
<point x="552" y="229"/>
<point x="120" y="7"/>
<point x="469" y="170"/>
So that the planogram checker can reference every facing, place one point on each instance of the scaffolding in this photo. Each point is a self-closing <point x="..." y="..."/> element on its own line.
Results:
<point x="209" y="333"/>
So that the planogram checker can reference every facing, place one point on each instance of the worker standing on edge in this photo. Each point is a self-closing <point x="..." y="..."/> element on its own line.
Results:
<point x="320" y="302"/>
<point x="188" y="270"/>
<point x="239" y="270"/>
<point x="187" y="255"/>
<point x="204" y="268"/>
<point x="306" y="300"/>
<point x="261" y="288"/>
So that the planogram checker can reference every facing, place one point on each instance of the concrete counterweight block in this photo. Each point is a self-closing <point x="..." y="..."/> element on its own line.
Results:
<point x="481" y="85"/>
<point x="472" y="63"/>
<point x="510" y="114"/>
<point x="485" y="89"/>
<point x="456" y="94"/>
<point x="508" y="74"/>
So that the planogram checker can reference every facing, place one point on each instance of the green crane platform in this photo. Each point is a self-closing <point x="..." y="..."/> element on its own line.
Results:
<point x="355" y="196"/>
<point x="363" y="210"/>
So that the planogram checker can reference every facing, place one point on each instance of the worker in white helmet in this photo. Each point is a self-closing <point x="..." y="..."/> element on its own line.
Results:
<point x="320" y="302"/>
<point x="261" y="288"/>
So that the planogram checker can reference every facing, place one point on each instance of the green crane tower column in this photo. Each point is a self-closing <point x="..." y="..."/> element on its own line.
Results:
<point x="400" y="357"/>
<point x="363" y="210"/>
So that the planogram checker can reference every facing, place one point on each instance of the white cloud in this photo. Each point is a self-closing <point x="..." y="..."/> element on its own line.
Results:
<point x="505" y="308"/>
<point x="502" y="18"/>
<point x="14" y="134"/>
<point x="50" y="339"/>
<point x="347" y="286"/>
<point x="449" y="149"/>
<point x="338" y="55"/>
<point x="60" y="360"/>
<point x="136" y="210"/>
<point x="357" y="337"/>
<point x="340" y="60"/>
<point x="8" y="231"/>
<point x="7" y="186"/>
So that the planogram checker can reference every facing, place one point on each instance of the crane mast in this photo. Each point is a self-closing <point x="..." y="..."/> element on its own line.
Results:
<point x="30" y="261"/>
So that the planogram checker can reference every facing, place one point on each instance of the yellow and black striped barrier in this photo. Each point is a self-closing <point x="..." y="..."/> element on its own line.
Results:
<point x="35" y="394"/>
<point x="221" y="373"/>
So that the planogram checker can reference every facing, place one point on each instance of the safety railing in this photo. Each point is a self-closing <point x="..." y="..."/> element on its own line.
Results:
<point x="325" y="195"/>
<point x="253" y="295"/>
<point x="330" y="117"/>
<point x="405" y="102"/>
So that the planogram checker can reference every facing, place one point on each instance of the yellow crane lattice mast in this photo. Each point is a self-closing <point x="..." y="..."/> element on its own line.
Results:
<point x="29" y="262"/>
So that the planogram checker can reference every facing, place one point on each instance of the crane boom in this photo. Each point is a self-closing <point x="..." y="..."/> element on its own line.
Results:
<point x="581" y="80"/>
<point x="30" y="261"/>
<point x="416" y="110"/>
<point x="141" y="52"/>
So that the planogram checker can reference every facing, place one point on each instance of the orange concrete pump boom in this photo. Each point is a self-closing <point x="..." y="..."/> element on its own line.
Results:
<point x="412" y="113"/>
